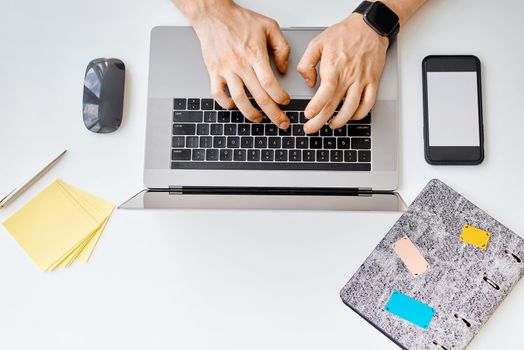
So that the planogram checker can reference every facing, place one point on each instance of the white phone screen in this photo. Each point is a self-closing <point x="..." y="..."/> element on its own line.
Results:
<point x="453" y="109"/>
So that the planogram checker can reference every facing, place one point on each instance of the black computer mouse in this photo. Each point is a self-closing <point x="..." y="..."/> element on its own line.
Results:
<point x="104" y="95"/>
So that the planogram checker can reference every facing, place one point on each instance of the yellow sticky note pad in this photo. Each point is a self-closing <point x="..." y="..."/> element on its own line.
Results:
<point x="475" y="236"/>
<point x="60" y="225"/>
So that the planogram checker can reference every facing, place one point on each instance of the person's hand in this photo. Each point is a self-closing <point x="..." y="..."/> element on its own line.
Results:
<point x="352" y="58"/>
<point x="235" y="45"/>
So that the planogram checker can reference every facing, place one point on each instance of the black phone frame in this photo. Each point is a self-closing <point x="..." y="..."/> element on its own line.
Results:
<point x="452" y="155"/>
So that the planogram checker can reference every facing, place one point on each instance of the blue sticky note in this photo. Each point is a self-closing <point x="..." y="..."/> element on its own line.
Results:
<point x="410" y="309"/>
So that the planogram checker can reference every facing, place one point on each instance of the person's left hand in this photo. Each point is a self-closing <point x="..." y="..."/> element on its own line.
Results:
<point x="352" y="57"/>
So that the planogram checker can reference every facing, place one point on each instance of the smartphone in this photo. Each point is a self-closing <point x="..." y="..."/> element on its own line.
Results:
<point x="453" y="130"/>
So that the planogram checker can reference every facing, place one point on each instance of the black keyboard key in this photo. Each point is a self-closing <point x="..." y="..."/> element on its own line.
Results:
<point x="295" y="155"/>
<point x="199" y="154"/>
<point x="322" y="155"/>
<point x="219" y="142"/>
<point x="315" y="142"/>
<point x="226" y="155"/>
<point x="244" y="129"/>
<point x="179" y="104"/>
<point x="286" y="132"/>
<point x="308" y="155"/>
<point x="260" y="142"/>
<point x="218" y="107"/>
<point x="230" y="129"/>
<point x="360" y="143"/>
<point x="298" y="130"/>
<point x="202" y="129"/>
<point x="237" y="117"/>
<point x="246" y="142"/>
<point x="224" y="117"/>
<point x="192" y="141"/>
<point x="326" y="131"/>
<point x="359" y="130"/>
<point x="187" y="116"/>
<point x="365" y="120"/>
<point x="350" y="156"/>
<point x="274" y="142"/>
<point x="207" y="104"/>
<point x="193" y="104"/>
<point x="281" y="155"/>
<point x="266" y="120"/>
<point x="210" y="117"/>
<point x="302" y="118"/>
<point x="239" y="155"/>
<point x="257" y="129"/>
<point x="364" y="156"/>
<point x="343" y="143"/>
<point x="217" y="129"/>
<point x="181" y="154"/>
<point x="302" y="142"/>
<point x="330" y="142"/>
<point x="206" y="142"/>
<point x="271" y="130"/>
<point x="253" y="155"/>
<point x="341" y="131"/>
<point x="233" y="142"/>
<point x="288" y="142"/>
<point x="293" y="117"/>
<point x="178" y="141"/>
<point x="295" y="105"/>
<point x="264" y="166"/>
<point x="268" y="155"/>
<point x="212" y="154"/>
<point x="336" y="156"/>
<point x="184" y="129"/>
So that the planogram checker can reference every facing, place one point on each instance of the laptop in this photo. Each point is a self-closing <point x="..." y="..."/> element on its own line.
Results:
<point x="198" y="155"/>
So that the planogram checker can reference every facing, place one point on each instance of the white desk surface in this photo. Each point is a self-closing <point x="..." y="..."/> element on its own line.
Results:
<point x="224" y="279"/>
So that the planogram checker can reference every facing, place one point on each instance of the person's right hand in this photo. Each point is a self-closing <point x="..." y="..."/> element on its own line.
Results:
<point x="235" y="45"/>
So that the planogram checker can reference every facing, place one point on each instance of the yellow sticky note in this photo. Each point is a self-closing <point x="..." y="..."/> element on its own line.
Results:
<point x="99" y="209"/>
<point x="49" y="226"/>
<point x="68" y="258"/>
<point x="475" y="236"/>
<point x="60" y="225"/>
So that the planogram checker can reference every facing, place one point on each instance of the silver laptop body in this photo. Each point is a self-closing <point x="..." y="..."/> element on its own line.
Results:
<point x="177" y="70"/>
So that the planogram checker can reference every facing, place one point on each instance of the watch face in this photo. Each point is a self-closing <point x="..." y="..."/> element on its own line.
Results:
<point x="381" y="17"/>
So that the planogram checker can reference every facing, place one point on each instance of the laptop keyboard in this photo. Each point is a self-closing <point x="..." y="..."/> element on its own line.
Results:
<point x="205" y="136"/>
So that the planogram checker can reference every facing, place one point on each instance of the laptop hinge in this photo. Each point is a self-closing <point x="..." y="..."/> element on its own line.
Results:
<point x="295" y="191"/>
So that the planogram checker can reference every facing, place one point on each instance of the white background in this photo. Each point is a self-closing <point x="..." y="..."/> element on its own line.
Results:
<point x="223" y="280"/>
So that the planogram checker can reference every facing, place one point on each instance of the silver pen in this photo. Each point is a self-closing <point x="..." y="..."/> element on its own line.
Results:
<point x="20" y="189"/>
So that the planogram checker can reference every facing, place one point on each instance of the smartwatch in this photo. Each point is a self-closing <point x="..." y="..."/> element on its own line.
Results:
<point x="380" y="18"/>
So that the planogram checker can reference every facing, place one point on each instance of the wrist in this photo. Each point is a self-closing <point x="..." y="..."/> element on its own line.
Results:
<point x="356" y="19"/>
<point x="196" y="11"/>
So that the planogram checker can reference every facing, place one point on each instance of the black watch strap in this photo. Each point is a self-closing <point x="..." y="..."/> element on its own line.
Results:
<point x="363" y="9"/>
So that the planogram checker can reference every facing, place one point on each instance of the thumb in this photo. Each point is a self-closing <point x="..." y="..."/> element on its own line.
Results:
<point x="279" y="46"/>
<point x="308" y="63"/>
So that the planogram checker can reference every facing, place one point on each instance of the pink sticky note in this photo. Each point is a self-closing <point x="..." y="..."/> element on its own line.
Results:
<point x="410" y="256"/>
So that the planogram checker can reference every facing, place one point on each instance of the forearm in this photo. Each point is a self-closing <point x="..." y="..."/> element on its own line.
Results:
<point x="194" y="9"/>
<point x="404" y="8"/>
